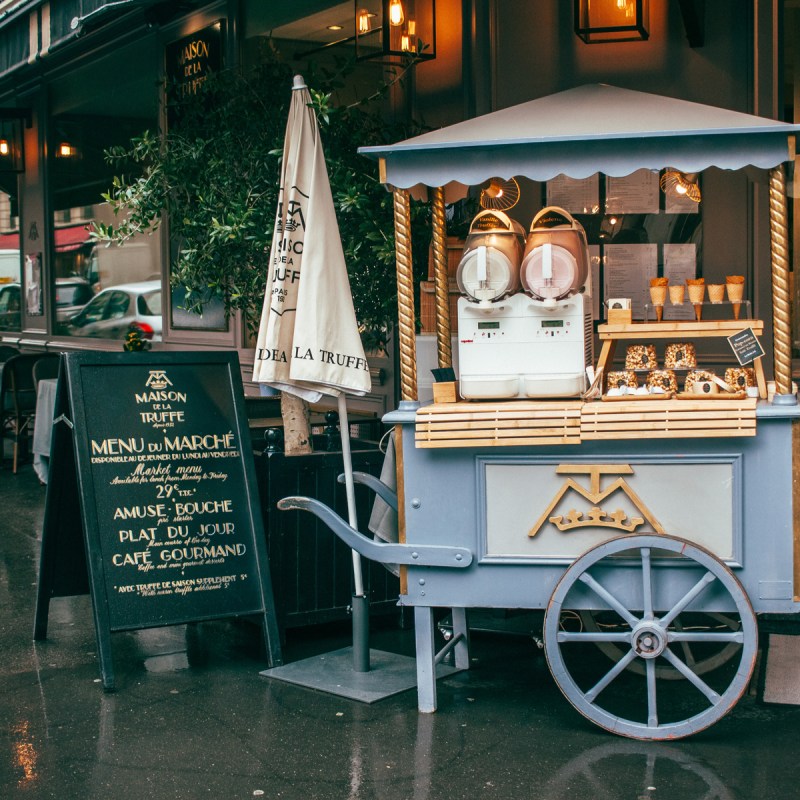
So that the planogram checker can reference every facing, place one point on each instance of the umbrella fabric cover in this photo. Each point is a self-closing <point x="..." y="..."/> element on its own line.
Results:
<point x="308" y="340"/>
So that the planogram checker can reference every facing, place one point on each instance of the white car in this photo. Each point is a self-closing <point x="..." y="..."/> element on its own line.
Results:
<point x="112" y="311"/>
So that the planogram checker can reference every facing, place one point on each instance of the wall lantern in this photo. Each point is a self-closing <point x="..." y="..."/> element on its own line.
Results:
<point x="598" y="21"/>
<point x="66" y="150"/>
<point x="12" y="150"/>
<point x="395" y="30"/>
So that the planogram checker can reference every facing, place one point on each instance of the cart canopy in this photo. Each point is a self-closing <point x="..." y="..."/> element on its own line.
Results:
<point x="581" y="131"/>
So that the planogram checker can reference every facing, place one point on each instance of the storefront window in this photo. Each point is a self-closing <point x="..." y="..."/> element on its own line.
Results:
<point x="100" y="291"/>
<point x="10" y="266"/>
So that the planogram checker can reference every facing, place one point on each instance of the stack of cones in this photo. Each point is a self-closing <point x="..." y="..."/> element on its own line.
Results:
<point x="697" y="291"/>
<point x="735" y="286"/>
<point x="716" y="292"/>
<point x="676" y="294"/>
<point x="658" y="295"/>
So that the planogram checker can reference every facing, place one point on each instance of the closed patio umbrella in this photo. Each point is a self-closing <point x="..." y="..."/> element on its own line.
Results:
<point x="308" y="340"/>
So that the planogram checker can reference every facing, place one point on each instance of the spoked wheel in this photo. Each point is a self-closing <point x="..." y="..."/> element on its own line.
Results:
<point x="645" y="601"/>
<point x="700" y="656"/>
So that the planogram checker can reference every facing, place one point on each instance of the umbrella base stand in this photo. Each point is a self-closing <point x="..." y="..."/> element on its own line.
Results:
<point x="390" y="674"/>
<point x="356" y="672"/>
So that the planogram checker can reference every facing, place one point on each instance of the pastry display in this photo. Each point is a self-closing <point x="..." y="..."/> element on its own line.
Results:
<point x="734" y="285"/>
<point x="662" y="379"/>
<point x="697" y="291"/>
<point x="658" y="295"/>
<point x="680" y="355"/>
<point x="622" y="378"/>
<point x="739" y="378"/>
<point x="641" y="356"/>
<point x="698" y="376"/>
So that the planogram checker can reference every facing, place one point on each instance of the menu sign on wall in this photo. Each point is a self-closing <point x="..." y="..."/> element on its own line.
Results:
<point x="167" y="492"/>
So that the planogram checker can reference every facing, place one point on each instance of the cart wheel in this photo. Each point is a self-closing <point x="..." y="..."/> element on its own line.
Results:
<point x="701" y="657"/>
<point x="647" y="582"/>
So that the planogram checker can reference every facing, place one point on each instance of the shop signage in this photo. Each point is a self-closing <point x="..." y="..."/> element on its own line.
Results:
<point x="746" y="346"/>
<point x="190" y="60"/>
<point x="152" y="504"/>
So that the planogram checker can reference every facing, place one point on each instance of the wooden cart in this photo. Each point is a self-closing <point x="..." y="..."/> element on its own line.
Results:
<point x="650" y="534"/>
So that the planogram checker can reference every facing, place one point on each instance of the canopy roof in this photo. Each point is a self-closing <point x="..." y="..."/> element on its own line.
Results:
<point x="581" y="131"/>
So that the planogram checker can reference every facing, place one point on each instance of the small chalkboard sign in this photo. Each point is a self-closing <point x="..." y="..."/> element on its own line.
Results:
<point x="152" y="504"/>
<point x="746" y="346"/>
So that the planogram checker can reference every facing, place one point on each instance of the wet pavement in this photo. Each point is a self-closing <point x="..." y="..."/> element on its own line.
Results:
<point x="192" y="717"/>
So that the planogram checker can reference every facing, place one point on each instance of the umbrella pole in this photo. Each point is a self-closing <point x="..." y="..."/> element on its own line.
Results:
<point x="360" y="600"/>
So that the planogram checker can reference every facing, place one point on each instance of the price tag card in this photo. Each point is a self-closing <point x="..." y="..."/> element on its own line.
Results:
<point x="746" y="346"/>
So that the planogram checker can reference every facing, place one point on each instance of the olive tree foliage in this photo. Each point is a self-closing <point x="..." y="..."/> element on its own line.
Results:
<point x="214" y="176"/>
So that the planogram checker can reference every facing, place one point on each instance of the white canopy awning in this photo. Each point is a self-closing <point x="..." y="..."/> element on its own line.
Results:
<point x="581" y="131"/>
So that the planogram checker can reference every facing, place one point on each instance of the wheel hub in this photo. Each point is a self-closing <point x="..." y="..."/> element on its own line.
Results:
<point x="649" y="640"/>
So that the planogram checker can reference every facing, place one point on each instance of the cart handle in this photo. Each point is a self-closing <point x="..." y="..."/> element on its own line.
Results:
<point x="422" y="555"/>
<point x="377" y="485"/>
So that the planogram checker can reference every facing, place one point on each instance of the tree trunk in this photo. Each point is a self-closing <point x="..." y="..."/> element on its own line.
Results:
<point x="296" y="427"/>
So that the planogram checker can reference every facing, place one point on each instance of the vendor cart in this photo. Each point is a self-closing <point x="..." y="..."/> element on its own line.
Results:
<point x="651" y="533"/>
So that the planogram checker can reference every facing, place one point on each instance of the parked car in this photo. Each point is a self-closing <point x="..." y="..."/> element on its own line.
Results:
<point x="72" y="294"/>
<point x="10" y="308"/>
<point x="112" y="311"/>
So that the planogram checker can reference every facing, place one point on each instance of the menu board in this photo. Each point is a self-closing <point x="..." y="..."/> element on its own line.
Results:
<point x="168" y="500"/>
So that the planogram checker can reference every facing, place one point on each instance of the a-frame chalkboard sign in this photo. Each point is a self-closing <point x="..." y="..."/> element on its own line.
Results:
<point x="152" y="502"/>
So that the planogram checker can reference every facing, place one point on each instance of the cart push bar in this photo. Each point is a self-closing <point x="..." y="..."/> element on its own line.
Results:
<point x="419" y="555"/>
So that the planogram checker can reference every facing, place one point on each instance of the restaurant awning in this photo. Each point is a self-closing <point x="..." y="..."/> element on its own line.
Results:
<point x="70" y="238"/>
<point x="581" y="131"/>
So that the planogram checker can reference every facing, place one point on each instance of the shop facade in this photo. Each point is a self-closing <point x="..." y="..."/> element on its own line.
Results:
<point x="79" y="77"/>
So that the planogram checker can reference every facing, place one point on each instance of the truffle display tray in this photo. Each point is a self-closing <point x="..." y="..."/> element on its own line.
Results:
<point x="718" y="396"/>
<point x="637" y="397"/>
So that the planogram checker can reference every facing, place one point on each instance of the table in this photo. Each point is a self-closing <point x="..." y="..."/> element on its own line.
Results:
<point x="43" y="426"/>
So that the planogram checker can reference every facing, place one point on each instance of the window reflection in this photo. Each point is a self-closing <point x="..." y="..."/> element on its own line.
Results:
<point x="10" y="290"/>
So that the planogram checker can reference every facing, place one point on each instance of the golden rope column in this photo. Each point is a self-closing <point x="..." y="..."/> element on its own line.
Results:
<point x="405" y="295"/>
<point x="778" y="239"/>
<point x="441" y="280"/>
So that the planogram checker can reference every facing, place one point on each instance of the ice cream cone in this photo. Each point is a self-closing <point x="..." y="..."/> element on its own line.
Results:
<point x="696" y="293"/>
<point x="735" y="295"/>
<point x="658" y="295"/>
<point x="716" y="292"/>
<point x="676" y="295"/>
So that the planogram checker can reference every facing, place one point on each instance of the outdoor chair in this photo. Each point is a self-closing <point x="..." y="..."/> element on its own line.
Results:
<point x="45" y="367"/>
<point x="6" y="351"/>
<point x="18" y="395"/>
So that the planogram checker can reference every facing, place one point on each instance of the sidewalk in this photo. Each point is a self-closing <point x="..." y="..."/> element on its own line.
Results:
<point x="192" y="718"/>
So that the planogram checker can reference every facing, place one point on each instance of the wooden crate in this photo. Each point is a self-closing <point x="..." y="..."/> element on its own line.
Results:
<point x="499" y="424"/>
<point x="427" y="307"/>
<point x="668" y="419"/>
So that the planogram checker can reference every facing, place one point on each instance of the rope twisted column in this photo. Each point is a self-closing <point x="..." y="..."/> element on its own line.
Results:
<point x="405" y="295"/>
<point x="778" y="239"/>
<point x="441" y="280"/>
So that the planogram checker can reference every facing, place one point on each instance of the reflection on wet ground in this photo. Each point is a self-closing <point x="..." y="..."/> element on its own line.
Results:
<point x="192" y="718"/>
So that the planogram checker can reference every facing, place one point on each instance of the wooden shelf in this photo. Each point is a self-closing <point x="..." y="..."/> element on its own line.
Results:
<point x="563" y="422"/>
<point x="677" y="330"/>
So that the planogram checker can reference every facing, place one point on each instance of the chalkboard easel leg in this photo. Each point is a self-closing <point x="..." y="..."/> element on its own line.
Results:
<point x="272" y="639"/>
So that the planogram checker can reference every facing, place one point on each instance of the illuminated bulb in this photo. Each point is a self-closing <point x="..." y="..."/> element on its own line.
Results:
<point x="412" y="27"/>
<point x="66" y="150"/>
<point x="4" y="148"/>
<point x="396" y="14"/>
<point x="405" y="45"/>
<point x="363" y="21"/>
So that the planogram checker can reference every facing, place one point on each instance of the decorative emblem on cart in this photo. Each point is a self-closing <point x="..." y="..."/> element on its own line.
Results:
<point x="596" y="517"/>
<point x="157" y="379"/>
